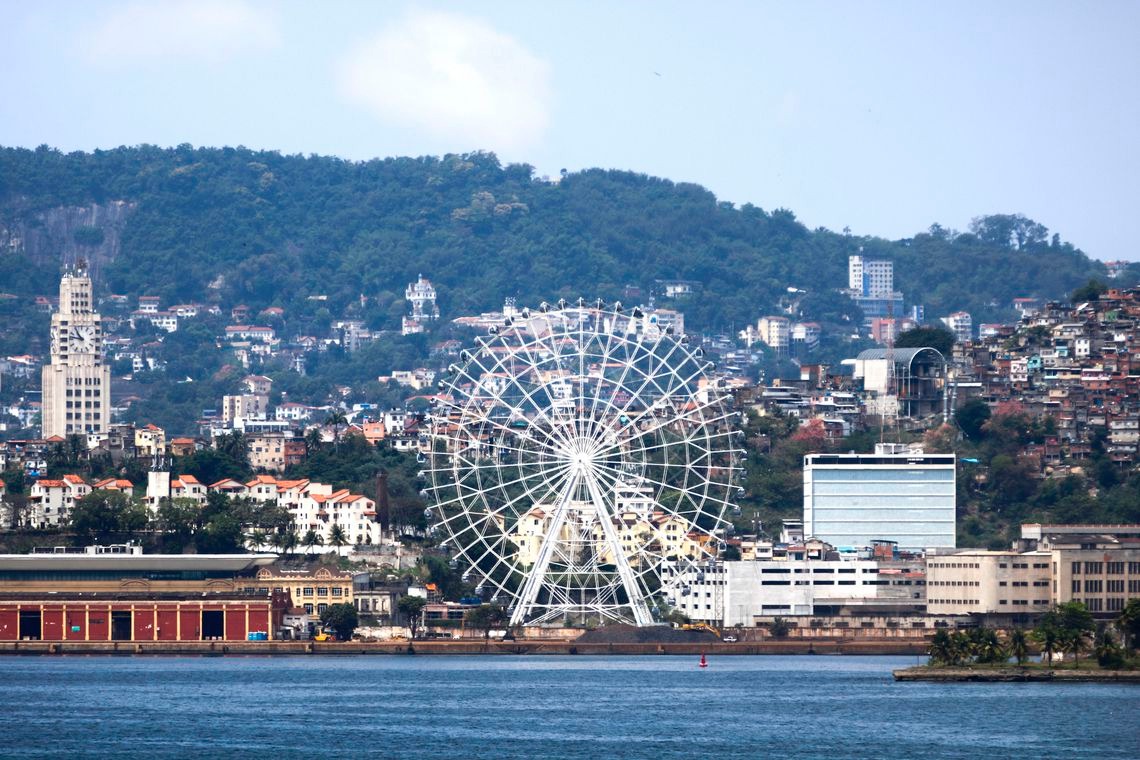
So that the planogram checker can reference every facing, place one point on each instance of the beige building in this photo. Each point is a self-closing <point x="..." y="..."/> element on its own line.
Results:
<point x="1102" y="571"/>
<point x="77" y="383"/>
<point x="982" y="582"/>
<point x="150" y="441"/>
<point x="246" y="406"/>
<point x="266" y="451"/>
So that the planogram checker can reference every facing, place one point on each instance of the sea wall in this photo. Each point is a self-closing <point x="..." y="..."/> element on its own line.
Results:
<point x="462" y="647"/>
<point x="1002" y="675"/>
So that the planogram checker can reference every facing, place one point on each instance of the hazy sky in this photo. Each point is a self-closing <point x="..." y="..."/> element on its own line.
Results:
<point x="885" y="117"/>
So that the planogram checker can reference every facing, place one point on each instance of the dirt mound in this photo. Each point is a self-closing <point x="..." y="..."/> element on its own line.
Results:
<point x="631" y="634"/>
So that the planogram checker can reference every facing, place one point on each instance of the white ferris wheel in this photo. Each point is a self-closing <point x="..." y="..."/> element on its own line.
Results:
<point x="581" y="458"/>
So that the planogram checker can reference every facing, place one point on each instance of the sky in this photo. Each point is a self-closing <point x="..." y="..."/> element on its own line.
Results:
<point x="883" y="117"/>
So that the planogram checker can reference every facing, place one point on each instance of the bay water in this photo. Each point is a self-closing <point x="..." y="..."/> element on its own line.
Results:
<point x="505" y="707"/>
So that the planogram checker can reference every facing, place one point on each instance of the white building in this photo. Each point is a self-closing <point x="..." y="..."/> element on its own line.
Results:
<point x="871" y="278"/>
<point x="961" y="324"/>
<point x="421" y="295"/>
<point x="51" y="501"/>
<point x="774" y="332"/>
<point x="854" y="499"/>
<point x="737" y="593"/>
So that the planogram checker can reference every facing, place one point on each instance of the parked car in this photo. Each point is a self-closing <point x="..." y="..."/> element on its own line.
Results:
<point x="729" y="639"/>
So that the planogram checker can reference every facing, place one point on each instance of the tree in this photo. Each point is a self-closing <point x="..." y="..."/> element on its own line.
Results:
<point x="1067" y="626"/>
<point x="410" y="607"/>
<point x="1129" y="623"/>
<point x="337" y="537"/>
<point x="987" y="647"/>
<point x="779" y="628"/>
<point x="311" y="539"/>
<point x="336" y="420"/>
<point x="487" y="616"/>
<point x="1109" y="654"/>
<point x="1077" y="628"/>
<point x="1018" y="645"/>
<point x="1046" y="634"/>
<point x="178" y="519"/>
<point x="1090" y="291"/>
<point x="103" y="512"/>
<point x="342" y="618"/>
<point x="289" y="539"/>
<point x="971" y="417"/>
<point x="938" y="338"/>
<point x="943" y="650"/>
<point x="313" y="441"/>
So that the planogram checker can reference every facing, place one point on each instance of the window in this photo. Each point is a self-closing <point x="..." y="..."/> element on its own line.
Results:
<point x="307" y="591"/>
<point x="1093" y="587"/>
<point x="1114" y="568"/>
<point x="309" y="609"/>
<point x="1076" y="568"/>
<point x="1095" y="568"/>
<point x="1114" y="587"/>
<point x="321" y="608"/>
<point x="1094" y="605"/>
<point x="338" y="592"/>
<point x="1076" y="589"/>
<point x="322" y="591"/>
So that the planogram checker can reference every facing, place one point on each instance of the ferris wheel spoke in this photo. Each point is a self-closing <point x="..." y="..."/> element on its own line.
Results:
<point x="573" y="411"/>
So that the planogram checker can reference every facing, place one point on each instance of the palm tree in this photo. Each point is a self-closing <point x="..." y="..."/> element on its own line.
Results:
<point x="1049" y="637"/>
<point x="335" y="419"/>
<point x="1018" y="645"/>
<point x="289" y="540"/>
<point x="337" y="537"/>
<point x="313" y="441"/>
<point x="942" y="650"/>
<point x="1129" y="623"/>
<point x="1074" y="641"/>
<point x="311" y="539"/>
<point x="988" y="647"/>
<point x="256" y="538"/>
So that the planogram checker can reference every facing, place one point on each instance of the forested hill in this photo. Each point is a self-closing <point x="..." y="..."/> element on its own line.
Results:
<point x="237" y="226"/>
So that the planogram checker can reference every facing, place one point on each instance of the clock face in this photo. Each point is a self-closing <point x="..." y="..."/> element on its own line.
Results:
<point x="81" y="339"/>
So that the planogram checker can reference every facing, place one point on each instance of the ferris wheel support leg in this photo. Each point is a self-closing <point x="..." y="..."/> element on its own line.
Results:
<point x="537" y="573"/>
<point x="633" y="589"/>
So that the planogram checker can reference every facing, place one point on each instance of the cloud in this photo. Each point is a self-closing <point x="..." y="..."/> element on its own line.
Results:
<point x="454" y="77"/>
<point x="208" y="30"/>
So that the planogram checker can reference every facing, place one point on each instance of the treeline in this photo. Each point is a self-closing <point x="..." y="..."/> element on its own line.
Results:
<point x="267" y="229"/>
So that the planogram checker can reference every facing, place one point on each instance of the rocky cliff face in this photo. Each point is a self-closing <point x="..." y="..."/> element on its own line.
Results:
<point x="62" y="235"/>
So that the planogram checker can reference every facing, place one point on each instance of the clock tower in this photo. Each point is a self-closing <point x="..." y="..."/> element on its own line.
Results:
<point x="77" y="383"/>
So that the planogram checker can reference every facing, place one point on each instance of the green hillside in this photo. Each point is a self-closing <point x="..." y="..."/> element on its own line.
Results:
<point x="268" y="229"/>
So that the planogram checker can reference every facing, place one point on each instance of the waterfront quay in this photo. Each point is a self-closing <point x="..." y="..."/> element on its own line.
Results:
<point x="1012" y="674"/>
<point x="820" y="646"/>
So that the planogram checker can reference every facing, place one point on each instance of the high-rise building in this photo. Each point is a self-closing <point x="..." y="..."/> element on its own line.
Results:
<point x="872" y="278"/>
<point x="851" y="500"/>
<point x="871" y="285"/>
<point x="77" y="382"/>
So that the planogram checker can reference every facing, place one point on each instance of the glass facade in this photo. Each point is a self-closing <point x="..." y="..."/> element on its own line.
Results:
<point x="849" y="501"/>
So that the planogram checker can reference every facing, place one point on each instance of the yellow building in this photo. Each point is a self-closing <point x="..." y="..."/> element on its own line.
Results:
<point x="313" y="588"/>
